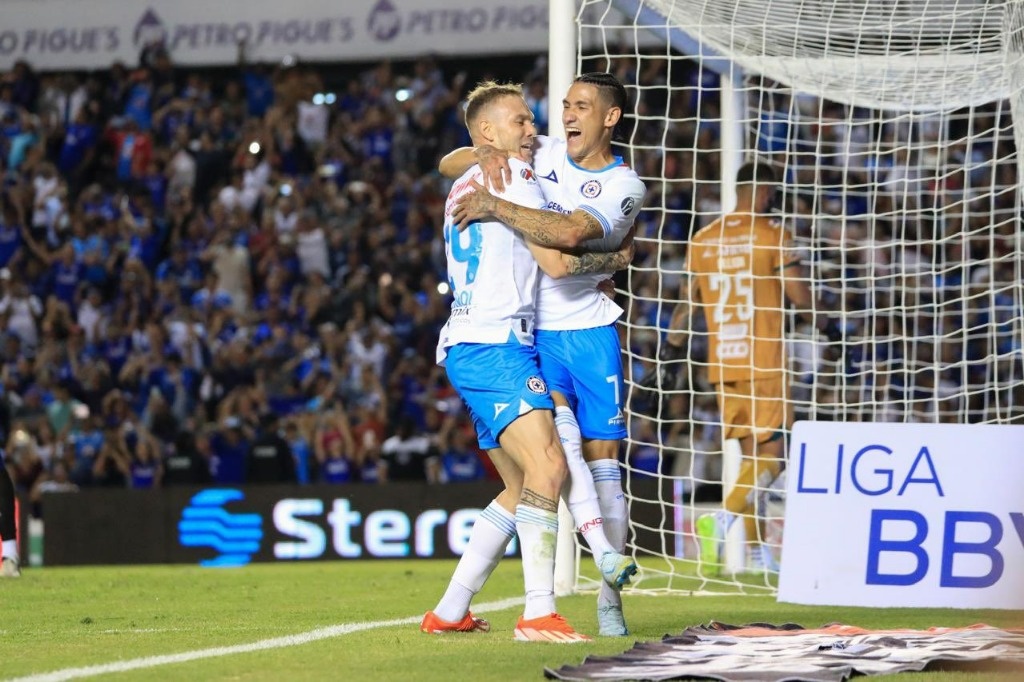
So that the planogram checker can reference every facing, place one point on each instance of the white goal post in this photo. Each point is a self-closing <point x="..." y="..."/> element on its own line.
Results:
<point x="891" y="126"/>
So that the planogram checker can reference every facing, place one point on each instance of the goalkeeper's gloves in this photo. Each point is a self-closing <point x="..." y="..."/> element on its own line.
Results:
<point x="836" y="336"/>
<point x="832" y="330"/>
<point x="667" y="374"/>
<point x="671" y="353"/>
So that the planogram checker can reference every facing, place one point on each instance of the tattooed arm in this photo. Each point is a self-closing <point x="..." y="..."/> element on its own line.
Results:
<point x="558" y="264"/>
<point x="547" y="228"/>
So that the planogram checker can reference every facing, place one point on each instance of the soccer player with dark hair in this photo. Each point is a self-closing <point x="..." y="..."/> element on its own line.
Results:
<point x="740" y="272"/>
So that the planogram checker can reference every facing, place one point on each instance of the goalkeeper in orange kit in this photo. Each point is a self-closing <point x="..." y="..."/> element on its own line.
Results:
<point x="740" y="272"/>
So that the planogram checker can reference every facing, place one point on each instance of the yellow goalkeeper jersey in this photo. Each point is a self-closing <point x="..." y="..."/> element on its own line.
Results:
<point x="736" y="267"/>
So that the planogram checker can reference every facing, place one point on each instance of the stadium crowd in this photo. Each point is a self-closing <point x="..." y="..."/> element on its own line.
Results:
<point x="234" y="275"/>
<point x="226" y="277"/>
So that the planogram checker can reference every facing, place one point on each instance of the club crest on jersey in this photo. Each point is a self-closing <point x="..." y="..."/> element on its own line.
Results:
<point x="627" y="205"/>
<point x="527" y="175"/>
<point x="536" y="385"/>
<point x="590" y="189"/>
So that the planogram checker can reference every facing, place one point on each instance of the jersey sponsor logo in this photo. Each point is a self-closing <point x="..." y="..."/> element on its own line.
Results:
<point x="550" y="176"/>
<point x="591" y="189"/>
<point x="460" y="315"/>
<point x="627" y="205"/>
<point x="536" y="385"/>
<point x="618" y="420"/>
<point x="555" y="206"/>
<point x="527" y="175"/>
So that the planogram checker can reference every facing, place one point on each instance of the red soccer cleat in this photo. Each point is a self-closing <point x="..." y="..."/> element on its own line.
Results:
<point x="432" y="625"/>
<point x="550" y="628"/>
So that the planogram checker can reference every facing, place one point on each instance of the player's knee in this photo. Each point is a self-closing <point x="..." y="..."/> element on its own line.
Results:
<point x="556" y="468"/>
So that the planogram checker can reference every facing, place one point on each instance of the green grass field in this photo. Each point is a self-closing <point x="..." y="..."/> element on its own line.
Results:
<point x="56" y="619"/>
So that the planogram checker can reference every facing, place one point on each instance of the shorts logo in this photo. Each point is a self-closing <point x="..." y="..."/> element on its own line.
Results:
<point x="536" y="385"/>
<point x="527" y="175"/>
<point x="590" y="189"/>
<point x="627" y="206"/>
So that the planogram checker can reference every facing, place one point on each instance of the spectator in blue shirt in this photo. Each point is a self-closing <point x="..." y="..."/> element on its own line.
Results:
<point x="229" y="448"/>
<point x="183" y="271"/>
<point x="302" y="452"/>
<point x="86" y="440"/>
<point x="461" y="461"/>
<point x="11" y="226"/>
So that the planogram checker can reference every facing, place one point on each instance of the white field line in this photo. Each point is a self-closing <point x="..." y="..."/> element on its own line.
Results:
<point x="262" y="645"/>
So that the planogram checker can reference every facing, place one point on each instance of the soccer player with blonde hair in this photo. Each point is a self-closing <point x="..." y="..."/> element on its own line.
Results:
<point x="593" y="198"/>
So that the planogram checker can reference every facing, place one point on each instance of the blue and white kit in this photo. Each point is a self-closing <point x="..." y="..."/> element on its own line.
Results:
<point x="487" y="345"/>
<point x="576" y="336"/>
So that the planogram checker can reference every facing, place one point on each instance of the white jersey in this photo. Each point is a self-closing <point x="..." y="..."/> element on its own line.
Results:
<point x="613" y="195"/>
<point x="491" y="272"/>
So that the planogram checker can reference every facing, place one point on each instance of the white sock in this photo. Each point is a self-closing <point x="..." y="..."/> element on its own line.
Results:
<point x="608" y="482"/>
<point x="582" y="501"/>
<point x="10" y="548"/>
<point x="487" y="542"/>
<point x="538" y="530"/>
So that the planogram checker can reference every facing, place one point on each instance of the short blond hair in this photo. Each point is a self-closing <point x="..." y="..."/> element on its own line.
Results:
<point x="485" y="94"/>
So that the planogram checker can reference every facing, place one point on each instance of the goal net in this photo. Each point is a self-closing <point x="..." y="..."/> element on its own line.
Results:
<point x="890" y="125"/>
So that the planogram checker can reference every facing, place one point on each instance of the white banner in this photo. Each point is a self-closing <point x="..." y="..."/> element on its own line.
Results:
<point x="91" y="34"/>
<point x="914" y="515"/>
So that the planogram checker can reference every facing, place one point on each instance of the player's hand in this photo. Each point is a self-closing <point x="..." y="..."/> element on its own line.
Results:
<point x="607" y="287"/>
<point x="836" y="349"/>
<point x="627" y="249"/>
<point x="832" y="331"/>
<point x="473" y="206"/>
<point x="671" y="353"/>
<point x="667" y="373"/>
<point x="494" y="163"/>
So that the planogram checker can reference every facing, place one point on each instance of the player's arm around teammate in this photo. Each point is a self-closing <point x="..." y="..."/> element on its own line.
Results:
<point x="591" y="112"/>
<point x="593" y="197"/>
<point x="493" y="365"/>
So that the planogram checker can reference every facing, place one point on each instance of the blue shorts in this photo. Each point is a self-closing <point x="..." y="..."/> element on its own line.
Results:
<point x="499" y="382"/>
<point x="585" y="365"/>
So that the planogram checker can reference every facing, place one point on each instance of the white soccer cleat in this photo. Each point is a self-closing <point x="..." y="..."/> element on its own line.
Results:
<point x="11" y="568"/>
